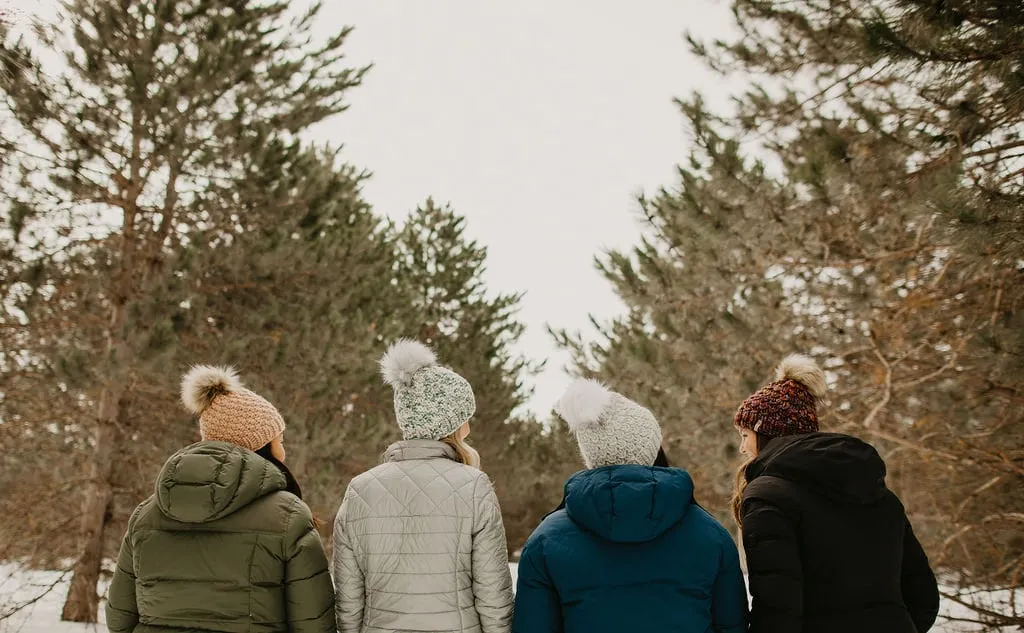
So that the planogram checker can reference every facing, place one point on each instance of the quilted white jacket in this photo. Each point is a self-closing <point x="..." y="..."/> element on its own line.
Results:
<point x="419" y="546"/>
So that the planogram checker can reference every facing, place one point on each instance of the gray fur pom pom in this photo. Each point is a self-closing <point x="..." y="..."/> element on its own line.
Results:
<point x="403" y="359"/>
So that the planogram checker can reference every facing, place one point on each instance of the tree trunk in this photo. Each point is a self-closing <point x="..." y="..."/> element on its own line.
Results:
<point x="83" y="600"/>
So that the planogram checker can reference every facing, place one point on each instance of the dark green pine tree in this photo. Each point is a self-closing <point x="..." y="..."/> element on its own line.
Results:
<point x="474" y="331"/>
<point x="864" y="203"/>
<point x="703" y="320"/>
<point x="299" y="298"/>
<point x="49" y="326"/>
<point x="443" y="270"/>
<point x="158" y="110"/>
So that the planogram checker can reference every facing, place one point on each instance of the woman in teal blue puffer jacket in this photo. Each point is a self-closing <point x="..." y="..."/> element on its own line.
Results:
<point x="630" y="550"/>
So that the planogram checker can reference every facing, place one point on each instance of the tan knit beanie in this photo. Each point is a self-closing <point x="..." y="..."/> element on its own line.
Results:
<point x="228" y="412"/>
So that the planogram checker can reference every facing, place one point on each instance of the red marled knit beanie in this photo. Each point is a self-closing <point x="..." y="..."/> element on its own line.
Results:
<point x="787" y="406"/>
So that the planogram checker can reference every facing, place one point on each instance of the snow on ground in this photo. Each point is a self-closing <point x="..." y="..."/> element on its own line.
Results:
<point x="45" y="591"/>
<point x="38" y="597"/>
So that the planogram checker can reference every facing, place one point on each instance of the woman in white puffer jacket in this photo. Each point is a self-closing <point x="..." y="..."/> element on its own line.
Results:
<point x="419" y="543"/>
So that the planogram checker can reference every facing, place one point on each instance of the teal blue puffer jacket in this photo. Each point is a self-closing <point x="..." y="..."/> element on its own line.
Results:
<point x="630" y="551"/>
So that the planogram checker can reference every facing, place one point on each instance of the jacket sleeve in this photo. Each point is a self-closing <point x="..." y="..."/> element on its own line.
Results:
<point x="920" y="590"/>
<point x="121" y="610"/>
<point x="774" y="567"/>
<point x="348" y="578"/>
<point x="492" y="580"/>
<point x="729" y="593"/>
<point x="538" y="607"/>
<point x="309" y="594"/>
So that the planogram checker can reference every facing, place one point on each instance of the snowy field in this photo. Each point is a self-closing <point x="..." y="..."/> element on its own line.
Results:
<point x="45" y="592"/>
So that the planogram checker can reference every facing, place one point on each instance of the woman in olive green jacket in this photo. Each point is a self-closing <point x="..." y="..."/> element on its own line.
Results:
<point x="226" y="543"/>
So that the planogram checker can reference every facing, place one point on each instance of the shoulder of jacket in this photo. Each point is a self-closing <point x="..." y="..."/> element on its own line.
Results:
<point x="482" y="483"/>
<point x="895" y="500"/>
<point x="142" y="513"/>
<point x="553" y="540"/>
<point x="768" y="488"/>
<point x="714" y="526"/>
<point x="293" y="505"/>
<point x="362" y="478"/>
<point x="554" y="525"/>
<point x="299" y="516"/>
<point x="377" y="473"/>
<point x="283" y="511"/>
<point x="774" y="491"/>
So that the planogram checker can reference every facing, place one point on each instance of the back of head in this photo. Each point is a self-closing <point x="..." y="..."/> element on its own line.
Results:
<point x="611" y="430"/>
<point x="619" y="496"/>
<point x="431" y="402"/>
<point x="227" y="411"/>
<point x="788" y="405"/>
<point x="218" y="477"/>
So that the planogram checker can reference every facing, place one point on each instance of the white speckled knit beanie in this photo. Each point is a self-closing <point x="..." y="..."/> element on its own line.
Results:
<point x="611" y="429"/>
<point x="228" y="412"/>
<point x="431" y="402"/>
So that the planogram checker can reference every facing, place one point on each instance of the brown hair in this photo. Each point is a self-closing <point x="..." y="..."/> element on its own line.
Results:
<point x="740" y="482"/>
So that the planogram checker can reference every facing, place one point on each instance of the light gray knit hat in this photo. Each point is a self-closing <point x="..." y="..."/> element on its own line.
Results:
<point x="611" y="429"/>
<point x="431" y="402"/>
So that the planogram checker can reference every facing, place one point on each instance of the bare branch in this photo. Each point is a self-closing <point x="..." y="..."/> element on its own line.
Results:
<point x="869" y="421"/>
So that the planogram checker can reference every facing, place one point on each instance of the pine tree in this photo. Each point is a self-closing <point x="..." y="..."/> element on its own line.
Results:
<point x="864" y="203"/>
<point x="303" y="301"/>
<point x="41" y="407"/>
<point x="159" y="109"/>
<point x="930" y="97"/>
<point x="442" y="270"/>
<point x="700" y="306"/>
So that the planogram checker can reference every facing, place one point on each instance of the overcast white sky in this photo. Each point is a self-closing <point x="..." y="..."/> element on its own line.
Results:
<point x="537" y="120"/>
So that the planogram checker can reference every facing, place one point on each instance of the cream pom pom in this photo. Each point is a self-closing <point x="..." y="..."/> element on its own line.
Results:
<point x="805" y="371"/>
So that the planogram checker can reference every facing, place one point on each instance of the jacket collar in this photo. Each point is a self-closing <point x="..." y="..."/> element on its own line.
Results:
<point x="419" y="449"/>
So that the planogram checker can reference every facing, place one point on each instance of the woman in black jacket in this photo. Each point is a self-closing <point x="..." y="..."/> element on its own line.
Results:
<point x="829" y="548"/>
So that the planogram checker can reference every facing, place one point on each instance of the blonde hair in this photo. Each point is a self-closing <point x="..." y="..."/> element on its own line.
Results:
<point x="467" y="454"/>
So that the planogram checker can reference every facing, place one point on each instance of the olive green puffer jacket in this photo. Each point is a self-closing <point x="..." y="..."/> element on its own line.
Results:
<point x="221" y="547"/>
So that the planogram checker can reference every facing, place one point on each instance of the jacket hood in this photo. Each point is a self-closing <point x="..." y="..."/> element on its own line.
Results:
<point x="628" y="504"/>
<point x="211" y="480"/>
<point x="837" y="466"/>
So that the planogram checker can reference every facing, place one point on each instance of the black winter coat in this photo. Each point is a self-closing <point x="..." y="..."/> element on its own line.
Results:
<point x="829" y="547"/>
